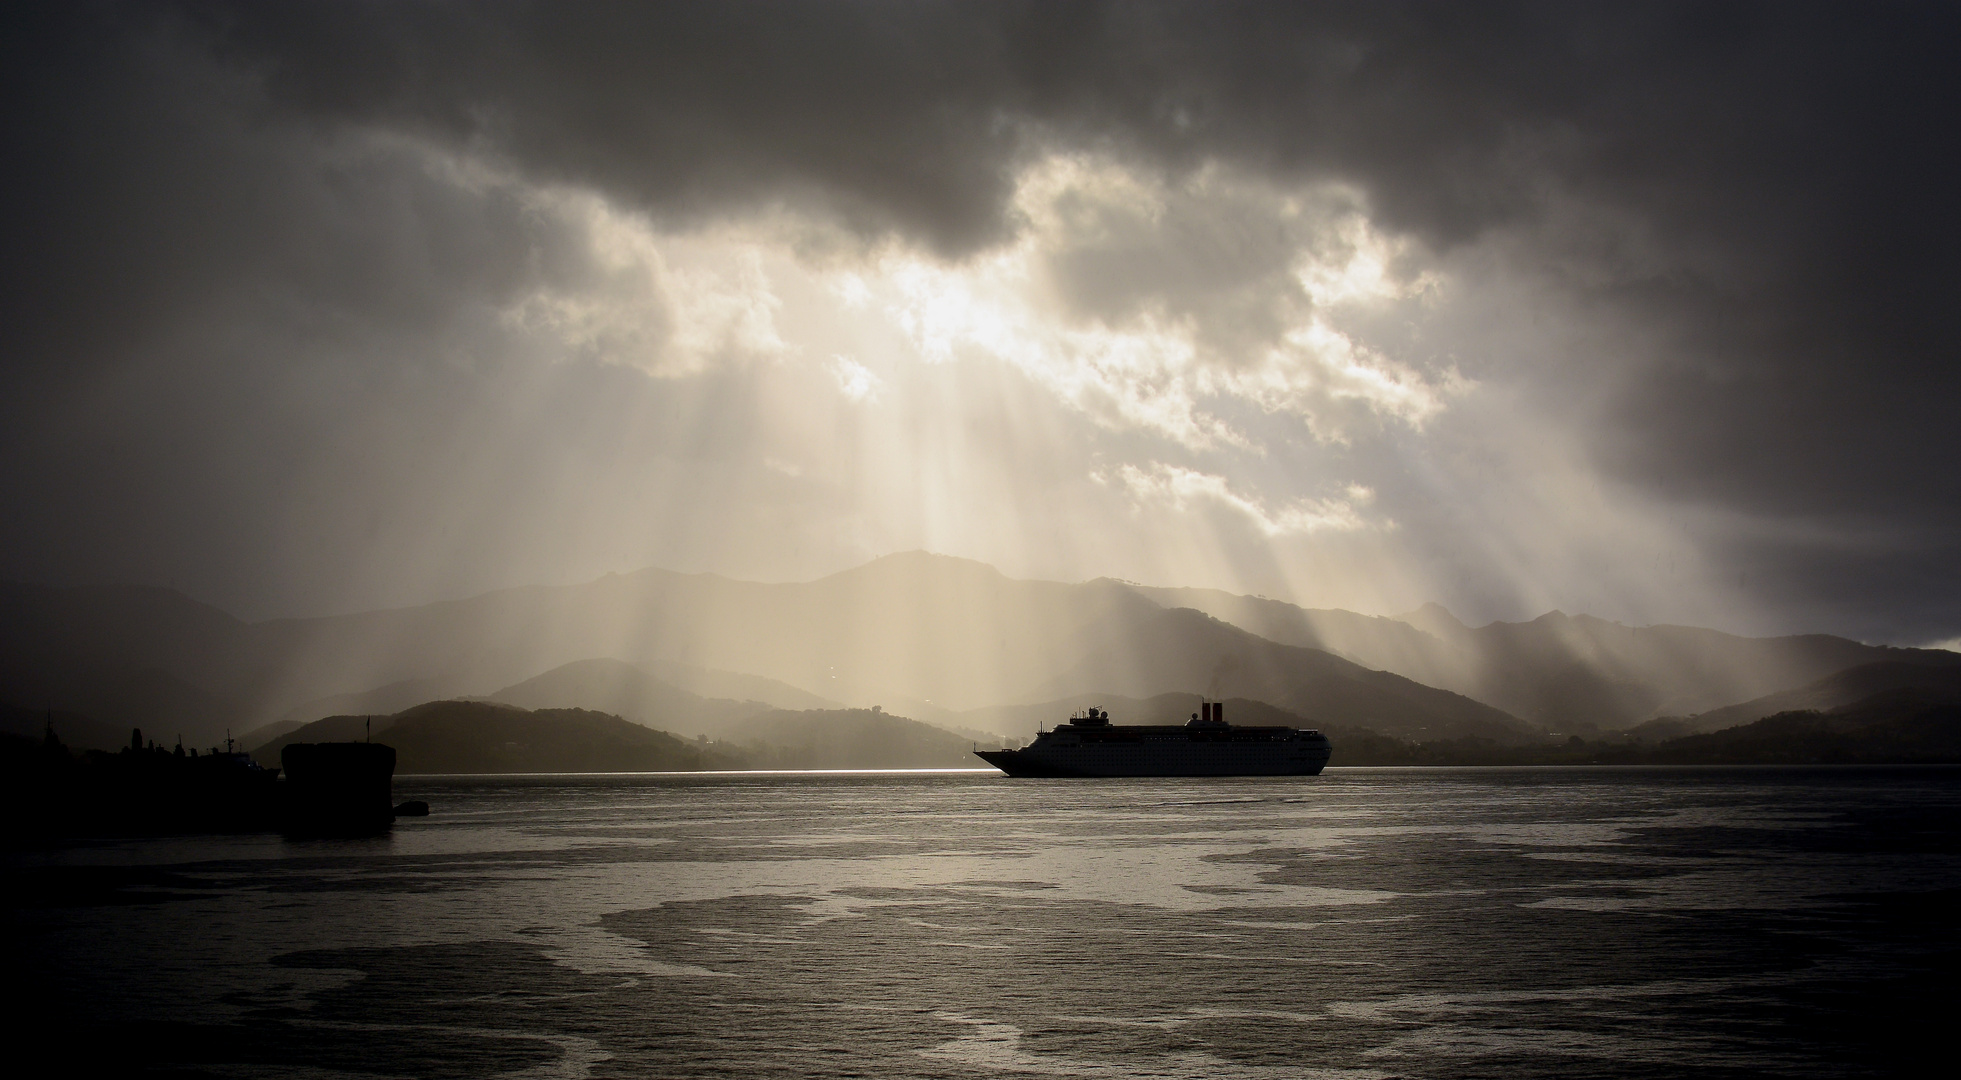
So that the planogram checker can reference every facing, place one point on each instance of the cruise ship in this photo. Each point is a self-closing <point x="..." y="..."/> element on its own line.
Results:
<point x="1090" y="745"/>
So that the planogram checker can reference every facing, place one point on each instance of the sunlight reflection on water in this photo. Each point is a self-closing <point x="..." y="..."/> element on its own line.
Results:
<point x="1364" y="923"/>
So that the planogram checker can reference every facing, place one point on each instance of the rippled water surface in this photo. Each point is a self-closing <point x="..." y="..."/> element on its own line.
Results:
<point x="1365" y="923"/>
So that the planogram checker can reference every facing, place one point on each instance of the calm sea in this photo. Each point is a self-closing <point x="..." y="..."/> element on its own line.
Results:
<point x="1364" y="923"/>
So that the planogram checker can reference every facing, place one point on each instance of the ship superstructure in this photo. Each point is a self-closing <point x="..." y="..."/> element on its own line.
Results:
<point x="1090" y="745"/>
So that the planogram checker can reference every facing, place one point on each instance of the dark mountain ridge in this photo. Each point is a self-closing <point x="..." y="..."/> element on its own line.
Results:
<point x="494" y="737"/>
<point x="488" y="737"/>
<point x="1907" y="725"/>
<point x="847" y="739"/>
<point x="1838" y="689"/>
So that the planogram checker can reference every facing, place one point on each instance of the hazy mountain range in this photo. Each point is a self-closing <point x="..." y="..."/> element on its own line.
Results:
<point x="1557" y="670"/>
<point x="1848" y="689"/>
<point x="947" y="641"/>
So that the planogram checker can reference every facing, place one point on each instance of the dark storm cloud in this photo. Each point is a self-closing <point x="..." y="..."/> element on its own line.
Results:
<point x="1774" y="184"/>
<point x="1809" y="149"/>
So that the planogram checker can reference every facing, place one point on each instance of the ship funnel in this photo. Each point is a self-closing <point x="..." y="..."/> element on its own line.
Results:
<point x="1219" y="712"/>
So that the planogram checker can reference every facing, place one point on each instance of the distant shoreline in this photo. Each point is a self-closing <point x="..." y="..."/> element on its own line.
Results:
<point x="1617" y="767"/>
<point x="702" y="772"/>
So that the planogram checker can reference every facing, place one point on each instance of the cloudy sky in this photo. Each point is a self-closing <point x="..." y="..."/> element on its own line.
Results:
<point x="1641" y="310"/>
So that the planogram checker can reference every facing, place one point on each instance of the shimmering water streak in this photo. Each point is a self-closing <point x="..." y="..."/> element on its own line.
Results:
<point x="1529" y="922"/>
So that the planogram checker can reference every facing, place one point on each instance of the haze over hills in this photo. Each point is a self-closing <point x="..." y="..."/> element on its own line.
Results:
<point x="927" y="635"/>
<point x="952" y="632"/>
<point x="1556" y="670"/>
<point x="73" y="729"/>
<point x="1838" y="690"/>
<point x="1182" y="649"/>
<point x="627" y="691"/>
<point x="380" y="701"/>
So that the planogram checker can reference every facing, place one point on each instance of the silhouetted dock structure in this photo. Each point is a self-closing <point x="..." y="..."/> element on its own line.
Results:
<point x="330" y="789"/>
<point x="338" y="788"/>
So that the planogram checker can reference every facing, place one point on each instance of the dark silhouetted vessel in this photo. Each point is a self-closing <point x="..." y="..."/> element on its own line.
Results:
<point x="1090" y="745"/>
